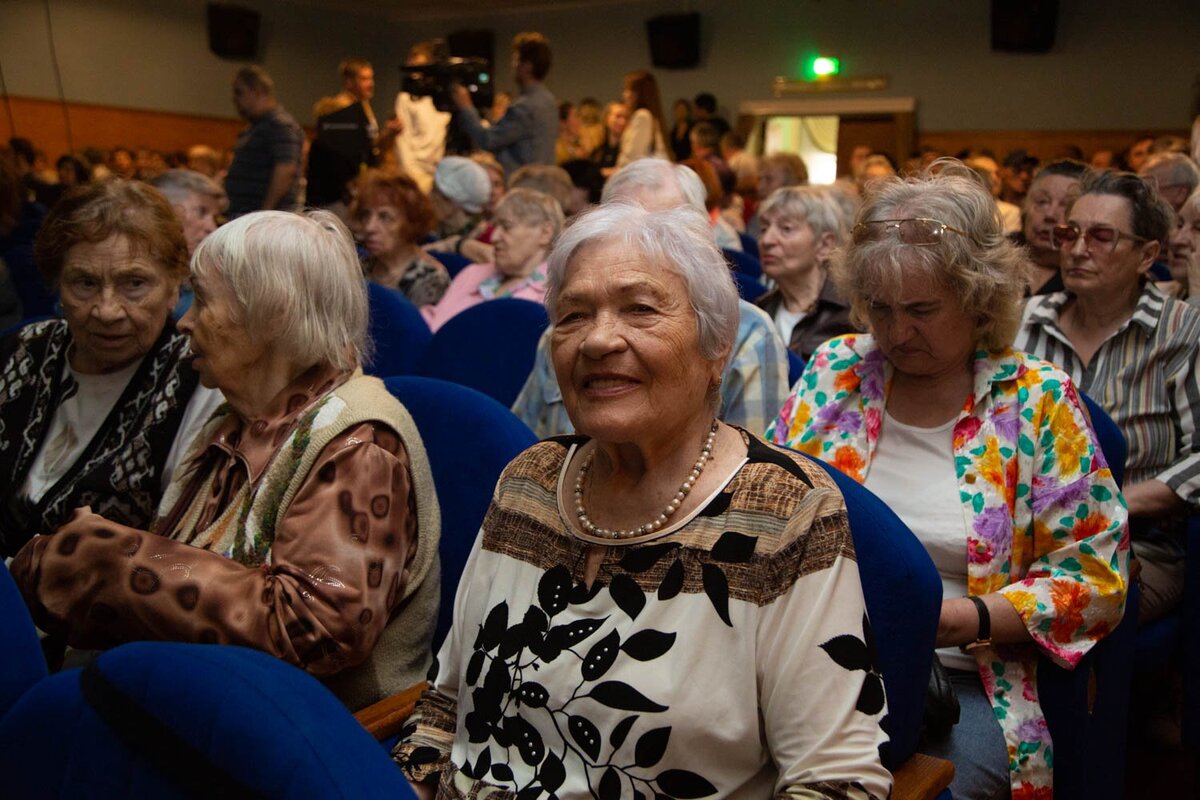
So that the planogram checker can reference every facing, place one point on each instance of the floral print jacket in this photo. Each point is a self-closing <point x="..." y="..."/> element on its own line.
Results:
<point x="1044" y="521"/>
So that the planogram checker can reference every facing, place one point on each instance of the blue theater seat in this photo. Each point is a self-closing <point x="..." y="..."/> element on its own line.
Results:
<point x="166" y="720"/>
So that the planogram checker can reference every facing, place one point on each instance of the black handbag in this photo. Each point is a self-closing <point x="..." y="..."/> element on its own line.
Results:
<point x="941" y="703"/>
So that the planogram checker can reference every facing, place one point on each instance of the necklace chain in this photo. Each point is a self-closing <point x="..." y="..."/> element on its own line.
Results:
<point x="658" y="522"/>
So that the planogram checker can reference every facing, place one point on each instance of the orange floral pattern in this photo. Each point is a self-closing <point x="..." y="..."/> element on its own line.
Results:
<point x="1048" y="525"/>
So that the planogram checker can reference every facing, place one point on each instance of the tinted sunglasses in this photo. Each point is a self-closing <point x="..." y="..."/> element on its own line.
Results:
<point x="1095" y="237"/>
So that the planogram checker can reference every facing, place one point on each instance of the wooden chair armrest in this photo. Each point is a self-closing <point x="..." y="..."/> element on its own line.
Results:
<point x="385" y="718"/>
<point x="921" y="777"/>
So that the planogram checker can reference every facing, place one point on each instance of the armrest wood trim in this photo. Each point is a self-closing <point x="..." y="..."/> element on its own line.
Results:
<point x="387" y="717"/>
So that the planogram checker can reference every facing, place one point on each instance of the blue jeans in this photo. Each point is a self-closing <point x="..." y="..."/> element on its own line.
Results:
<point x="975" y="745"/>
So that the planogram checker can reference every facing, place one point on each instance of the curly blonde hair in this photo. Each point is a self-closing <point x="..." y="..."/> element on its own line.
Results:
<point x="984" y="269"/>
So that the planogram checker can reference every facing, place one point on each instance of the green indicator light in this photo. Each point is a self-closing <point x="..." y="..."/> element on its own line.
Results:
<point x="822" y="66"/>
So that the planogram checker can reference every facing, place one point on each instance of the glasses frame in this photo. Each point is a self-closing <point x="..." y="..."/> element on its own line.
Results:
<point x="1090" y="242"/>
<point x="896" y="224"/>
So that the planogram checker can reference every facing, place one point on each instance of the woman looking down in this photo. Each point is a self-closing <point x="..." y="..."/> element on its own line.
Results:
<point x="983" y="451"/>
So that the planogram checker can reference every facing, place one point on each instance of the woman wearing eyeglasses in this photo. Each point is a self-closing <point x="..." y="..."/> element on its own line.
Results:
<point x="983" y="451"/>
<point x="1134" y="350"/>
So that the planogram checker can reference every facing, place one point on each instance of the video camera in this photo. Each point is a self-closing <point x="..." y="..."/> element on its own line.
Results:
<point x="435" y="79"/>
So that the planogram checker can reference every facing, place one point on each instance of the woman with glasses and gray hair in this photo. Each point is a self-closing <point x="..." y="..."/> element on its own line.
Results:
<point x="982" y="450"/>
<point x="614" y="562"/>
<point x="1135" y="351"/>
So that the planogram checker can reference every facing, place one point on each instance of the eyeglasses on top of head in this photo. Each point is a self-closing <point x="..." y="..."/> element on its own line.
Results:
<point x="920" y="231"/>
<point x="1103" y="238"/>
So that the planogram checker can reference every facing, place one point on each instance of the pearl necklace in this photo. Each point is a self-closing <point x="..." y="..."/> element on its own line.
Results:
<point x="661" y="520"/>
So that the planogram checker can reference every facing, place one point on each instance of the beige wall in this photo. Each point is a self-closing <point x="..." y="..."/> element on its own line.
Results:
<point x="1118" y="64"/>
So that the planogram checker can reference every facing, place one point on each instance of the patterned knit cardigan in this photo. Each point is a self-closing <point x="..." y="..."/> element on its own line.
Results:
<point x="402" y="655"/>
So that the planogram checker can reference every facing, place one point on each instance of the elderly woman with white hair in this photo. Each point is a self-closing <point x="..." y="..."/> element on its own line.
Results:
<point x="983" y="451"/>
<point x="802" y="226"/>
<point x="303" y="521"/>
<point x="614" y="561"/>
<point x="526" y="223"/>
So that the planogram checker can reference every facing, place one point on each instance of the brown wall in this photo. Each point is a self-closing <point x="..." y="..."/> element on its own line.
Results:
<point x="108" y="126"/>
<point x="1045" y="145"/>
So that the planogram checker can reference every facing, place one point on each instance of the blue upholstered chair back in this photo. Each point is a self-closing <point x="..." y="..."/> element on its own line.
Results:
<point x="169" y="720"/>
<point x="1112" y="441"/>
<point x="750" y="289"/>
<point x="489" y="347"/>
<point x="749" y="244"/>
<point x="743" y="262"/>
<point x="453" y="262"/>
<point x="795" y="368"/>
<point x="1083" y="739"/>
<point x="904" y="599"/>
<point x="21" y="661"/>
<point x="398" y="333"/>
<point x="470" y="438"/>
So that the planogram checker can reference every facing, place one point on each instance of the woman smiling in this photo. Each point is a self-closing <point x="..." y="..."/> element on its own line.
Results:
<point x="613" y="567"/>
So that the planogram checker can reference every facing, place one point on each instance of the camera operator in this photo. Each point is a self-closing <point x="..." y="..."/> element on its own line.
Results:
<point x="527" y="131"/>
<point x="421" y="142"/>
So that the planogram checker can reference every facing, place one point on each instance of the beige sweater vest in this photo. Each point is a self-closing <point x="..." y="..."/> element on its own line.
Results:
<point x="402" y="655"/>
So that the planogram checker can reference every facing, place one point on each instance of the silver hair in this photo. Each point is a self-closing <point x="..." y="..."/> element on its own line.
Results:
<point x="985" y="270"/>
<point x="813" y="205"/>
<point x="677" y="239"/>
<point x="652" y="176"/>
<point x="532" y="207"/>
<point x="297" y="281"/>
<point x="846" y="198"/>
<point x="177" y="184"/>
<point x="544" y="178"/>
<point x="1180" y="168"/>
<point x="1191" y="204"/>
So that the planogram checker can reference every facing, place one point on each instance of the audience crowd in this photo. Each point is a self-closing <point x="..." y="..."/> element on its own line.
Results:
<point x="181" y="379"/>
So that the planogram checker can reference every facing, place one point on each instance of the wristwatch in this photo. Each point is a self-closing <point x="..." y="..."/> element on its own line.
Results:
<point x="984" y="637"/>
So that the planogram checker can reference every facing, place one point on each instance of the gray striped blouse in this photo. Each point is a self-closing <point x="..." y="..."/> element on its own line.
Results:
<point x="1146" y="376"/>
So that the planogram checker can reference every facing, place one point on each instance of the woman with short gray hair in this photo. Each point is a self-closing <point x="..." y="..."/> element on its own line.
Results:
<point x="675" y="240"/>
<point x="304" y="521"/>
<point x="656" y="538"/>
<point x="802" y="226"/>
<point x="526" y="222"/>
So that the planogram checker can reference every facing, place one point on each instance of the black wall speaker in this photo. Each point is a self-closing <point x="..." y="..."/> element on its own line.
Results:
<point x="1024" y="26"/>
<point x="674" y="40"/>
<point x="233" y="30"/>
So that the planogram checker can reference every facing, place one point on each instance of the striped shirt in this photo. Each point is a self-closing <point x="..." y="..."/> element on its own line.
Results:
<point x="272" y="139"/>
<point x="1145" y="375"/>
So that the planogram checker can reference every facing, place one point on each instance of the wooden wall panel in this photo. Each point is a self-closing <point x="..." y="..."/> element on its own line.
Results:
<point x="1046" y="145"/>
<point x="108" y="126"/>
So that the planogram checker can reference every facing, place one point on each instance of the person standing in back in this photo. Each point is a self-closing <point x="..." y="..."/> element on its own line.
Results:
<point x="527" y="131"/>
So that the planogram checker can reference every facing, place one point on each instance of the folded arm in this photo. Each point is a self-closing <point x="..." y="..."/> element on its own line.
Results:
<point x="334" y="574"/>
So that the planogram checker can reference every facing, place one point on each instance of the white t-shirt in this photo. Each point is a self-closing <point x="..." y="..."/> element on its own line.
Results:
<point x="913" y="472"/>
<point x="86" y="404"/>
<point x="786" y="320"/>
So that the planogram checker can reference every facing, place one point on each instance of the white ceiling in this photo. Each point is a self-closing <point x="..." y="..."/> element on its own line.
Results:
<point x="417" y="10"/>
